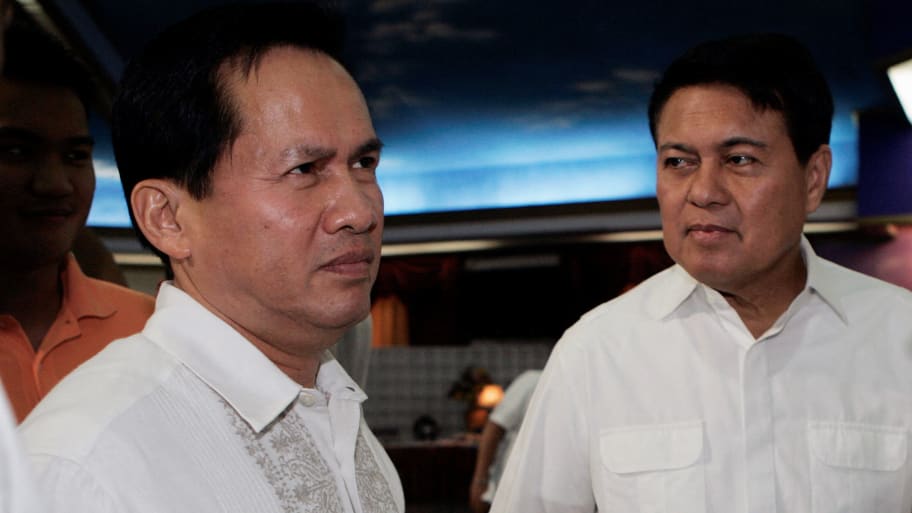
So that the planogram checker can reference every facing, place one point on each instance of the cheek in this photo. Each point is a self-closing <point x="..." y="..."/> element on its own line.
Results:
<point x="84" y="184"/>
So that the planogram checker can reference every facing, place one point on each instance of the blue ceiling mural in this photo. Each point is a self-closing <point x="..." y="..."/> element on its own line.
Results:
<point x="515" y="103"/>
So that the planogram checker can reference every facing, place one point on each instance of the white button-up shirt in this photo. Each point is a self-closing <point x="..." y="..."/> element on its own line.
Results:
<point x="188" y="416"/>
<point x="662" y="401"/>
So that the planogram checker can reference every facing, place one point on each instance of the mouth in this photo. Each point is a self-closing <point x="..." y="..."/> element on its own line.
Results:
<point x="709" y="232"/>
<point x="356" y="263"/>
<point x="50" y="213"/>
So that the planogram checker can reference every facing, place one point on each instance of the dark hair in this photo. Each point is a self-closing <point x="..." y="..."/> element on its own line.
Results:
<point x="173" y="115"/>
<point x="36" y="57"/>
<point x="774" y="71"/>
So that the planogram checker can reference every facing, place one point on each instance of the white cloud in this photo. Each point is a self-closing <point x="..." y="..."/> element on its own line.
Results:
<point x="393" y="98"/>
<point x="637" y="75"/>
<point x="105" y="168"/>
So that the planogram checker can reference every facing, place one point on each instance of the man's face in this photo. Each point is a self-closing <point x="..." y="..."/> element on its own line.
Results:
<point x="289" y="237"/>
<point x="46" y="174"/>
<point x="732" y="194"/>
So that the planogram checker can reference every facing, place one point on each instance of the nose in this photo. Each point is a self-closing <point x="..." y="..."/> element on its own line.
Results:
<point x="707" y="186"/>
<point x="353" y="205"/>
<point x="51" y="178"/>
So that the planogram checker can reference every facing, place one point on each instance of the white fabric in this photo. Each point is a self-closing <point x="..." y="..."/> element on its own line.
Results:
<point x="509" y="415"/>
<point x="17" y="489"/>
<point x="662" y="401"/>
<point x="188" y="416"/>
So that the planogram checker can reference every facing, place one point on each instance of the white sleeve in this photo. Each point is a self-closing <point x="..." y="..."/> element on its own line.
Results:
<point x="548" y="468"/>
<point x="17" y="487"/>
<point x="511" y="410"/>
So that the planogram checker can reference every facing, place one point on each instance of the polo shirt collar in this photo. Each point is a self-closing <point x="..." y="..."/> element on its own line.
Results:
<point x="81" y="295"/>
<point x="221" y="357"/>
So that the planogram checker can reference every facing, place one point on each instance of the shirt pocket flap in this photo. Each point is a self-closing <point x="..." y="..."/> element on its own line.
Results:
<point x="858" y="446"/>
<point x="651" y="447"/>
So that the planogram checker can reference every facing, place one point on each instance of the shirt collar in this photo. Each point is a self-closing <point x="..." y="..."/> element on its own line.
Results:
<point x="822" y="279"/>
<point x="220" y="356"/>
<point x="333" y="379"/>
<point x="81" y="294"/>
<point x="676" y="288"/>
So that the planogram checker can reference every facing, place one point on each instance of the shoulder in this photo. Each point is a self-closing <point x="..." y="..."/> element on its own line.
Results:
<point x="632" y="307"/>
<point x="857" y="292"/>
<point x="81" y="409"/>
<point x="125" y="299"/>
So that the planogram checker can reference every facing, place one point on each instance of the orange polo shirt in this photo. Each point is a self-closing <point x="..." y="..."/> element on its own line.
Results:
<point x="93" y="313"/>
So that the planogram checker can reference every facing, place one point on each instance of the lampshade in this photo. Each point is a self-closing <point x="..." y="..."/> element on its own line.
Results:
<point x="490" y="396"/>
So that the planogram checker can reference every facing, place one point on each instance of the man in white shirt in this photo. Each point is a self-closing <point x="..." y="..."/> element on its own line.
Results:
<point x="753" y="376"/>
<point x="497" y="439"/>
<point x="249" y="160"/>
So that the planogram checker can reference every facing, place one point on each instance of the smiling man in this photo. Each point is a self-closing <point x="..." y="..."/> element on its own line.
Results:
<point x="249" y="159"/>
<point x="52" y="316"/>
<point x="753" y="376"/>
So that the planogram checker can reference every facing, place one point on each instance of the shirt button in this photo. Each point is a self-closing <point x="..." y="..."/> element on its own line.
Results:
<point x="307" y="399"/>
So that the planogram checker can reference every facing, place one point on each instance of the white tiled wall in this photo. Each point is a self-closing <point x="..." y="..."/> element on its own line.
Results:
<point x="404" y="383"/>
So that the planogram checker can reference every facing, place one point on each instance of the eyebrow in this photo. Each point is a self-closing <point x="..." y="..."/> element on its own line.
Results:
<point x="370" y="146"/>
<point x="317" y="152"/>
<point x="737" y="141"/>
<point x="30" y="136"/>
<point x="678" y="146"/>
<point x="728" y="143"/>
<point x="311" y="152"/>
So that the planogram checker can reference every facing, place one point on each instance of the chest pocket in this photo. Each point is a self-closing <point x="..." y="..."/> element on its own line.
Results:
<point x="858" y="467"/>
<point x="654" y="468"/>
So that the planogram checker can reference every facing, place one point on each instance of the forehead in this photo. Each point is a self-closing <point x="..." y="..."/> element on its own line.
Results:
<point x="48" y="110"/>
<point x="294" y="84"/>
<point x="716" y="110"/>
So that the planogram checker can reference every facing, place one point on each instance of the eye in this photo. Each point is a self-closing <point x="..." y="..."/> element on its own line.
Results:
<point x="741" y="160"/>
<point x="303" y="169"/>
<point x="675" y="162"/>
<point x="14" y="151"/>
<point x="78" y="156"/>
<point x="366" y="162"/>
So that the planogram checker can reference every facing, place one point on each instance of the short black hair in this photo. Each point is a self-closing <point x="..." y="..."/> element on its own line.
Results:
<point x="36" y="57"/>
<point x="173" y="115"/>
<point x="774" y="71"/>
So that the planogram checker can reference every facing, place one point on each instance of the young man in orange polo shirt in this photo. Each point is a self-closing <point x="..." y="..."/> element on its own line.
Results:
<point x="52" y="317"/>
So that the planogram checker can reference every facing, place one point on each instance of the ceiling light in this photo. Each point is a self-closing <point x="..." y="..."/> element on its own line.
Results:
<point x="901" y="78"/>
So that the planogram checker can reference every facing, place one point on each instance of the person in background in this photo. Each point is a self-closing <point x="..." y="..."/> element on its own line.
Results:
<point x="17" y="488"/>
<point x="52" y="317"/>
<point x="249" y="161"/>
<point x="752" y="376"/>
<point x="497" y="439"/>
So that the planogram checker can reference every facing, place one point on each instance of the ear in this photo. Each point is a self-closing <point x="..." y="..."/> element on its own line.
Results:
<point x="817" y="171"/>
<point x="156" y="206"/>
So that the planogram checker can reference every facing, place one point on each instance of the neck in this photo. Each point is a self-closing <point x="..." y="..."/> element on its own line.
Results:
<point x="33" y="297"/>
<point x="762" y="302"/>
<point x="299" y="358"/>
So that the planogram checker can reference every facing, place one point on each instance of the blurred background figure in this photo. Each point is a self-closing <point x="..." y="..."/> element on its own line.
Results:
<point x="497" y="439"/>
<point x="52" y="316"/>
<point x="17" y="490"/>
